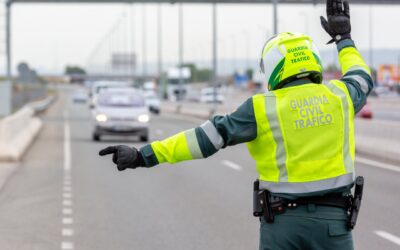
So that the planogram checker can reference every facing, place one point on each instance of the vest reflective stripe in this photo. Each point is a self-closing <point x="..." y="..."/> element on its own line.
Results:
<point x="272" y="116"/>
<point x="346" y="144"/>
<point x="307" y="187"/>
<point x="193" y="144"/>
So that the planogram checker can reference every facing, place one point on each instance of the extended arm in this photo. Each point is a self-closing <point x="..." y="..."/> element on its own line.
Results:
<point x="205" y="140"/>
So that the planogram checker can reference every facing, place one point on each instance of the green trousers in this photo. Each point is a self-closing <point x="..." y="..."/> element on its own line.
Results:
<point x="307" y="227"/>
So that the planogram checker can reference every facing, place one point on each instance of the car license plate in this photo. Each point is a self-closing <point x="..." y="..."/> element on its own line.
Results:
<point x="121" y="128"/>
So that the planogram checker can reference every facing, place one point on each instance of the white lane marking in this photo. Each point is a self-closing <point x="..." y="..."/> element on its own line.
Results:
<point x="232" y="165"/>
<point x="67" y="211"/>
<point x="67" y="143"/>
<point x="67" y="195"/>
<point x="67" y="232"/>
<point x="159" y="132"/>
<point x="67" y="202"/>
<point x="377" y="164"/>
<point x="388" y="236"/>
<point x="67" y="220"/>
<point x="66" y="245"/>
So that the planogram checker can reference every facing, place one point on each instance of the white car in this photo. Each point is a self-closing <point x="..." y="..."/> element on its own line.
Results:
<point x="79" y="96"/>
<point x="121" y="111"/>
<point x="152" y="101"/>
<point x="207" y="96"/>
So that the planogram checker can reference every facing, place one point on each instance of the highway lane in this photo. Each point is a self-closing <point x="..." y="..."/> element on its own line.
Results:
<point x="192" y="205"/>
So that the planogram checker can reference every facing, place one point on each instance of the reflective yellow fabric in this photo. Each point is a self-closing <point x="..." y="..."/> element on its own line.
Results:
<point x="310" y="121"/>
<point x="173" y="149"/>
<point x="351" y="113"/>
<point x="264" y="143"/>
<point x="349" y="57"/>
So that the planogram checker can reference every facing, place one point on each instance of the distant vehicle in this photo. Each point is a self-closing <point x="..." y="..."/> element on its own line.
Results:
<point x="79" y="96"/>
<point x="207" y="96"/>
<point x="153" y="102"/>
<point x="99" y="86"/>
<point x="149" y="86"/>
<point x="365" y="112"/>
<point x="175" y="91"/>
<point x="121" y="111"/>
<point x="193" y="96"/>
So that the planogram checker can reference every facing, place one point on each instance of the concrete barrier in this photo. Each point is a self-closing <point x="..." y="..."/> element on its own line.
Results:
<point x="42" y="105"/>
<point x="17" y="131"/>
<point x="379" y="139"/>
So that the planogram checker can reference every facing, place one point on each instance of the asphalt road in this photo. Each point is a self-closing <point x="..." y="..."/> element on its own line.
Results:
<point x="63" y="196"/>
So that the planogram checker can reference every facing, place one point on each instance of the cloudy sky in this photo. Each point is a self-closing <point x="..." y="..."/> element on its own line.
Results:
<point x="49" y="36"/>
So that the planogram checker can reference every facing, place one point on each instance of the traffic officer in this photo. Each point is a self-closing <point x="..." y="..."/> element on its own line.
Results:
<point x="300" y="134"/>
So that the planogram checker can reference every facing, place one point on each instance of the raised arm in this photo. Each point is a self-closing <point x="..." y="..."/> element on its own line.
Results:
<point x="356" y="74"/>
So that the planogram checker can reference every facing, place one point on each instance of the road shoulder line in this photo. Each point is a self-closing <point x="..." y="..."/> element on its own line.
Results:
<point x="377" y="164"/>
<point x="232" y="165"/>
<point x="388" y="236"/>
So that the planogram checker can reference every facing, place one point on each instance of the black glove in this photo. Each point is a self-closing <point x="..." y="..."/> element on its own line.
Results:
<point x="338" y="25"/>
<point x="124" y="157"/>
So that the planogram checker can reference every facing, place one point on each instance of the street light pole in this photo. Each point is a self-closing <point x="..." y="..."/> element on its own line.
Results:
<point x="180" y="38"/>
<point x="215" y="64"/>
<point x="247" y="39"/>
<point x="8" y="41"/>
<point x="144" y="40"/>
<point x="159" y="44"/>
<point x="275" y="16"/>
<point x="233" y="52"/>
<point x="371" y="53"/>
<point x="6" y="93"/>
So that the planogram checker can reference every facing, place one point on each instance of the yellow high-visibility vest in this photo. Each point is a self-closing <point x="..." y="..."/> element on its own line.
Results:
<point x="305" y="138"/>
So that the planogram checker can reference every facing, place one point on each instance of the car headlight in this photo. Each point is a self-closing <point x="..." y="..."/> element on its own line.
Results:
<point x="101" y="118"/>
<point x="143" y="118"/>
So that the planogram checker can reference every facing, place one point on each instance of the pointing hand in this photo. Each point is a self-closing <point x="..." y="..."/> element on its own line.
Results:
<point x="124" y="157"/>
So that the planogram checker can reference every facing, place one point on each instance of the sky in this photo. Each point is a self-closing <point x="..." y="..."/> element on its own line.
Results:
<point x="50" y="36"/>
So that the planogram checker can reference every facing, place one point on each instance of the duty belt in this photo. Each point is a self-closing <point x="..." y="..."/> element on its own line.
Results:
<point x="279" y="204"/>
<point x="267" y="205"/>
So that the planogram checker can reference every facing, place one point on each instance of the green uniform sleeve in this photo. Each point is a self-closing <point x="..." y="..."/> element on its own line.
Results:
<point x="205" y="140"/>
<point x="238" y="127"/>
<point x="356" y="73"/>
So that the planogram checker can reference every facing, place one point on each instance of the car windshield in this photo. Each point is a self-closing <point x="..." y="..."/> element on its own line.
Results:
<point x="121" y="100"/>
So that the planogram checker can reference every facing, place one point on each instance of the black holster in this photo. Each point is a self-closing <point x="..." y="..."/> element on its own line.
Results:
<point x="355" y="202"/>
<point x="264" y="205"/>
